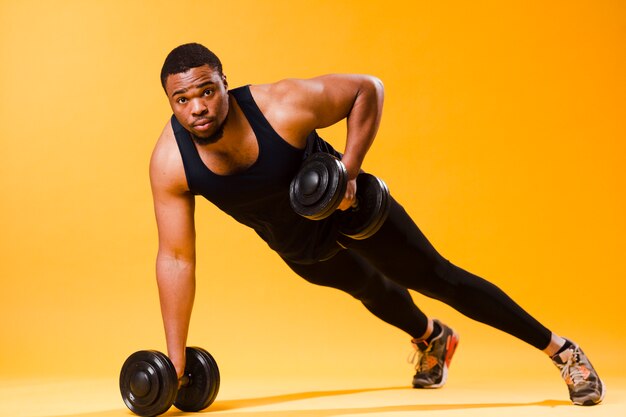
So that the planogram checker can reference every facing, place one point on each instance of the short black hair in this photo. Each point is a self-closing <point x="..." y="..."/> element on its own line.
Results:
<point x="187" y="56"/>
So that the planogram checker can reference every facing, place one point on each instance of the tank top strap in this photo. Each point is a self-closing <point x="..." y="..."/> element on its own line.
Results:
<point x="194" y="167"/>
<point x="261" y="127"/>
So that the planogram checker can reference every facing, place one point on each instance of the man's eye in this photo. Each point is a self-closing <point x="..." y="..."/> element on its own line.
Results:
<point x="181" y="100"/>
<point x="208" y="92"/>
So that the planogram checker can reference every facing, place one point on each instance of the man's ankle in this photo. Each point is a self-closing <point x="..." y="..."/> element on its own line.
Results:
<point x="557" y="345"/>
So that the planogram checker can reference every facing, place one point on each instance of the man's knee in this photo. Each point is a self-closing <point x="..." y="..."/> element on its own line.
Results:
<point x="375" y="287"/>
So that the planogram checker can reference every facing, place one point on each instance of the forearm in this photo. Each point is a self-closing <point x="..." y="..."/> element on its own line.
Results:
<point x="176" y="282"/>
<point x="362" y="123"/>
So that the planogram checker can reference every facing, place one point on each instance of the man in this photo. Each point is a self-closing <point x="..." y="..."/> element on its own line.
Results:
<point x="241" y="148"/>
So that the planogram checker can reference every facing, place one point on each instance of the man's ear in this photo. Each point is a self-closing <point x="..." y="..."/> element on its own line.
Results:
<point x="225" y="81"/>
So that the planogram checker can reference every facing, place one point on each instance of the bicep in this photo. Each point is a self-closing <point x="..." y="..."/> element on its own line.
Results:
<point x="175" y="223"/>
<point x="174" y="205"/>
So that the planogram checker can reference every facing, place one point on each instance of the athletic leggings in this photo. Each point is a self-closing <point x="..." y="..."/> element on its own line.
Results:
<point x="378" y="271"/>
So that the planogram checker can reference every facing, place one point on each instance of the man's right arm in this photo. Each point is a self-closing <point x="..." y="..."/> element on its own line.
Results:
<point x="175" y="265"/>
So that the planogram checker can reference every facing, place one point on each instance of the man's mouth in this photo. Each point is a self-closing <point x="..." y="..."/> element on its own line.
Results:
<point x="202" y="124"/>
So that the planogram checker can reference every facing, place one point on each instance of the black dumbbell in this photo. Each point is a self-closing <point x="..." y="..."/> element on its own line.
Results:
<point x="149" y="384"/>
<point x="319" y="186"/>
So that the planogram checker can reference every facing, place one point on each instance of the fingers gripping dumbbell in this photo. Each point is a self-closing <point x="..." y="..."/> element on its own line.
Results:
<point x="149" y="384"/>
<point x="319" y="186"/>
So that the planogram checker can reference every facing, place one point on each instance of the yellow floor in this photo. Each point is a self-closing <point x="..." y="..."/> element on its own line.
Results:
<point x="324" y="398"/>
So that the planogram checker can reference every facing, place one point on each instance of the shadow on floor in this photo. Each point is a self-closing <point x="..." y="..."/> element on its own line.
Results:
<point x="275" y="399"/>
<point x="230" y="407"/>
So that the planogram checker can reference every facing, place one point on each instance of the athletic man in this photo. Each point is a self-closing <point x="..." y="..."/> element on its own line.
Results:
<point x="240" y="149"/>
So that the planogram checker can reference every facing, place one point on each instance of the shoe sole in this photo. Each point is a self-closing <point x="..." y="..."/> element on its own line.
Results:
<point x="454" y="342"/>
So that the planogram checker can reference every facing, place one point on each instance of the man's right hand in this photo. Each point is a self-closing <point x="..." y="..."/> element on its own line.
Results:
<point x="179" y="364"/>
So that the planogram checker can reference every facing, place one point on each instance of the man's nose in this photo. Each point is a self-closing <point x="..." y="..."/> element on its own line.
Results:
<point x="198" y="107"/>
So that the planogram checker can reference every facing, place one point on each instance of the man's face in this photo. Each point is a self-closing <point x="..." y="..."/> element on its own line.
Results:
<point x="199" y="99"/>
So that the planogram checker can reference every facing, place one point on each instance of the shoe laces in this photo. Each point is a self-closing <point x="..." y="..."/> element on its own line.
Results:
<point x="573" y="370"/>
<point x="421" y="358"/>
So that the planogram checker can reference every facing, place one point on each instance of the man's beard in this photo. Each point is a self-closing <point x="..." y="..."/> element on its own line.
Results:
<point x="217" y="135"/>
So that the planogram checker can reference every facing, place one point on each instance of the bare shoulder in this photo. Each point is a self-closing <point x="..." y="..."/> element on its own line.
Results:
<point x="166" y="165"/>
<point x="288" y="91"/>
<point x="286" y="105"/>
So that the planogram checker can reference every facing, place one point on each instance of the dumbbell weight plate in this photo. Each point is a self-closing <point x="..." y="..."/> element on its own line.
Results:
<point x="215" y="385"/>
<point x="203" y="384"/>
<point x="316" y="191"/>
<point x="148" y="383"/>
<point x="372" y="209"/>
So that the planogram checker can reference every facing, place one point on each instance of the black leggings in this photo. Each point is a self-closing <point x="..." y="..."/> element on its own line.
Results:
<point x="378" y="270"/>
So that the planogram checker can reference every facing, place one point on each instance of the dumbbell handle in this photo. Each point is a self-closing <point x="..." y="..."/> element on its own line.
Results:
<point x="185" y="380"/>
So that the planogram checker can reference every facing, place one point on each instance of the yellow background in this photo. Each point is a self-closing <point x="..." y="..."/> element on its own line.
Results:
<point x="503" y="135"/>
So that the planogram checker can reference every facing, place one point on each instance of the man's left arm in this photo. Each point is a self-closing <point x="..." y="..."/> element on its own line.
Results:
<point x="323" y="101"/>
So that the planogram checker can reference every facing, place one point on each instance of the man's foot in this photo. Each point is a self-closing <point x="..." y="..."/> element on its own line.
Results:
<point x="433" y="358"/>
<point x="583" y="382"/>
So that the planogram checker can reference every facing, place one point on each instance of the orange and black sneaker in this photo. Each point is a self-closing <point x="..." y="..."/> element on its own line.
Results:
<point x="584" y="385"/>
<point x="433" y="358"/>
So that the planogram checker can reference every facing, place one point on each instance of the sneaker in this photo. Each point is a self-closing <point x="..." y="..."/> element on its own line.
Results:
<point x="583" y="382"/>
<point x="433" y="359"/>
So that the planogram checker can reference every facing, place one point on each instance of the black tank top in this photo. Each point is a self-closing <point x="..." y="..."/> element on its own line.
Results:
<point x="259" y="196"/>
